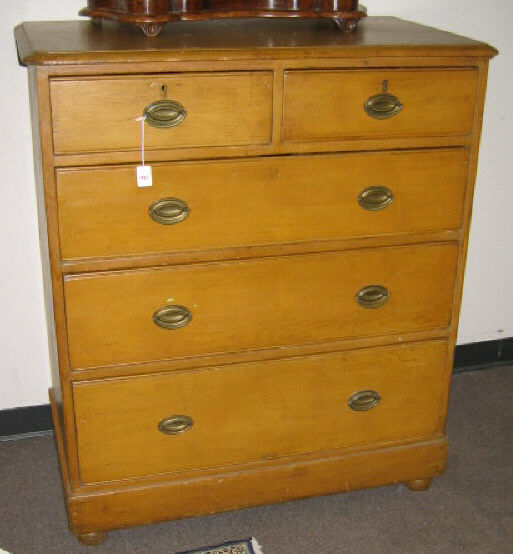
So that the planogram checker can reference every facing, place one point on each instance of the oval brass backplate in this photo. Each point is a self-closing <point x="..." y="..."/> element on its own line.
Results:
<point x="375" y="198"/>
<point x="172" y="317"/>
<point x="383" y="106"/>
<point x="175" y="424"/>
<point x="372" y="296"/>
<point x="164" y="114"/>
<point x="169" y="211"/>
<point x="364" y="400"/>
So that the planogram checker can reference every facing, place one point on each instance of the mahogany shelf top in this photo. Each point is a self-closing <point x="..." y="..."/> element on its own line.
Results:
<point x="81" y="42"/>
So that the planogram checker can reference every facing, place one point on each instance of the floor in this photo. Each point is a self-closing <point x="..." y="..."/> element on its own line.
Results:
<point x="468" y="510"/>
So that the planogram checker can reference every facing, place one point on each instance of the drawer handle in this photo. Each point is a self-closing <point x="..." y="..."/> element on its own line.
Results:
<point x="169" y="211"/>
<point x="383" y="106"/>
<point x="175" y="424"/>
<point x="164" y="114"/>
<point x="372" y="296"/>
<point x="172" y="317"/>
<point x="376" y="198"/>
<point x="364" y="400"/>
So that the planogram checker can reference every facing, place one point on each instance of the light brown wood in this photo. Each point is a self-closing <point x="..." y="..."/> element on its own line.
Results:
<point x="256" y="411"/>
<point x="324" y="105"/>
<point x="131" y="156"/>
<point x="44" y="238"/>
<point x="53" y="283"/>
<point x="158" y="259"/>
<point x="467" y="214"/>
<point x="256" y="303"/>
<point x="268" y="294"/>
<point x="78" y="42"/>
<point x="333" y="473"/>
<point x="308" y="147"/>
<point x="258" y="201"/>
<point x="271" y="353"/>
<point x="94" y="114"/>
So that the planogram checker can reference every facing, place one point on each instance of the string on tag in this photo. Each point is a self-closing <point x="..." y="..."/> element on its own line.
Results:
<point x="142" y="119"/>
<point x="144" y="172"/>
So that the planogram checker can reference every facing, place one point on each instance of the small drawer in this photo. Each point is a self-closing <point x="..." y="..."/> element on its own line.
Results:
<point x="179" y="311"/>
<point x="183" y="110"/>
<point x="223" y="204"/>
<point x="220" y="416"/>
<point x="378" y="103"/>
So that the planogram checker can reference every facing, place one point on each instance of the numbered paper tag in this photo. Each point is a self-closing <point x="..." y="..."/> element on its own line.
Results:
<point x="144" y="176"/>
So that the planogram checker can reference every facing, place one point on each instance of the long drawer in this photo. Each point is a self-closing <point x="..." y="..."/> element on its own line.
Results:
<point x="184" y="109"/>
<point x="154" y="314"/>
<point x="226" y="415"/>
<point x="378" y="103"/>
<point x="206" y="205"/>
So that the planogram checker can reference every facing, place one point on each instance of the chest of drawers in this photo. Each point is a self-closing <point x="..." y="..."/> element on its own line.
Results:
<point x="276" y="316"/>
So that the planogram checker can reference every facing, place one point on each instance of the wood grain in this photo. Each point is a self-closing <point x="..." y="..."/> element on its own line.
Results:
<point x="467" y="214"/>
<point x="267" y="309"/>
<point x="257" y="202"/>
<point x="58" y="43"/>
<point x="323" y="105"/>
<point x="159" y="259"/>
<point x="256" y="303"/>
<point x="95" y="114"/>
<point x="292" y="406"/>
<point x="53" y="282"/>
<point x="263" y="354"/>
<point x="339" y="472"/>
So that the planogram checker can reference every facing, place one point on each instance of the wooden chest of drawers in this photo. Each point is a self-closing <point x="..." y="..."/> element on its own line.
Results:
<point x="275" y="317"/>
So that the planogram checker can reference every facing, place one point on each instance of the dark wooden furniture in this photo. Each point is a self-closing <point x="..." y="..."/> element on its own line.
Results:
<point x="151" y="15"/>
<point x="276" y="316"/>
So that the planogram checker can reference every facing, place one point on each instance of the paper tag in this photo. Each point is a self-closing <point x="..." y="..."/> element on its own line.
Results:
<point x="144" y="176"/>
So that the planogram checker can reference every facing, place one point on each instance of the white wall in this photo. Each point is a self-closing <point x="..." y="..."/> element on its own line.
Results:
<point x="487" y="309"/>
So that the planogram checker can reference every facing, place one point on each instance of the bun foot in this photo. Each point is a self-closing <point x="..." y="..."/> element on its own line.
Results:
<point x="345" y="25"/>
<point x="92" y="539"/>
<point x="418" y="485"/>
<point x="151" y="29"/>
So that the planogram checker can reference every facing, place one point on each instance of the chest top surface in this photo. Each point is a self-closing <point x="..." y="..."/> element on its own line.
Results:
<point x="81" y="42"/>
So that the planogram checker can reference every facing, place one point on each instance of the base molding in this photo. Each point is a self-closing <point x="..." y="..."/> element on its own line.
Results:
<point x="107" y="509"/>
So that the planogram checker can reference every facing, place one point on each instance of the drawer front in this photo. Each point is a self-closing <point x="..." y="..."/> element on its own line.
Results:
<point x="343" y="105"/>
<point x="222" y="109"/>
<point x="257" y="411"/>
<point x="205" y="205"/>
<point x="143" y="315"/>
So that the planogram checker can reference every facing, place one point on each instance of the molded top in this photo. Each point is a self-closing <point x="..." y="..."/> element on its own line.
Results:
<point x="81" y="42"/>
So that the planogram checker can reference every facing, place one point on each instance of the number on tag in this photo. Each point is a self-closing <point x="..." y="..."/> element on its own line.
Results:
<point x="144" y="176"/>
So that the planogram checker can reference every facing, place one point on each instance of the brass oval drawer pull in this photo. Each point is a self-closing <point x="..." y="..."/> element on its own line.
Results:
<point x="364" y="400"/>
<point x="172" y="317"/>
<point x="383" y="106"/>
<point x="169" y="211"/>
<point x="375" y="198"/>
<point x="164" y="114"/>
<point x="175" y="424"/>
<point x="372" y="296"/>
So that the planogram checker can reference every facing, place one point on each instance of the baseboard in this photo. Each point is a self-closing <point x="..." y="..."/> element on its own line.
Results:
<point x="22" y="421"/>
<point x="34" y="420"/>
<point x="483" y="355"/>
